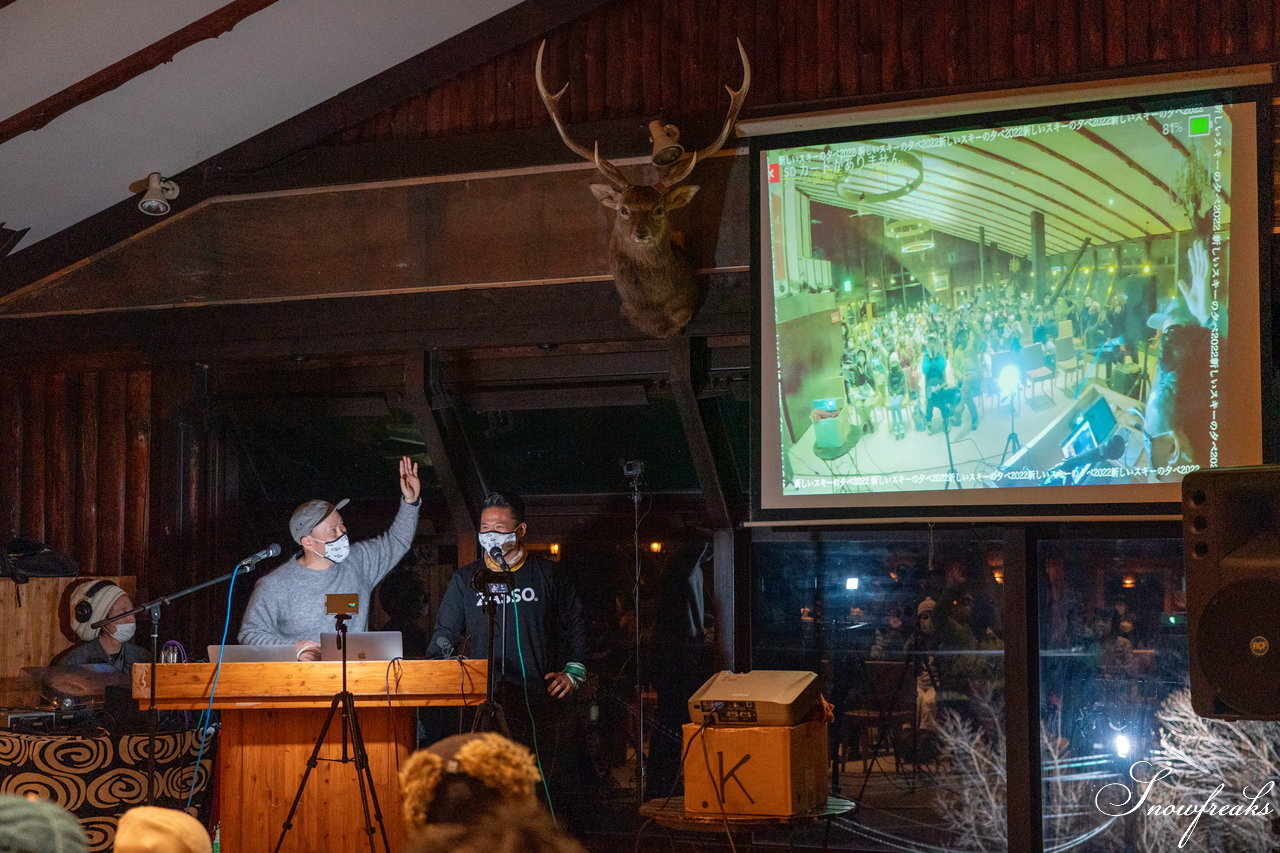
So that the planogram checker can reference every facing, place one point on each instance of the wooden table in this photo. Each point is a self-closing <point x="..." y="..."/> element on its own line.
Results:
<point x="272" y="714"/>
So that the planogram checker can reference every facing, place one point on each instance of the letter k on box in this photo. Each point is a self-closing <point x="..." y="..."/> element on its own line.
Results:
<point x="755" y="770"/>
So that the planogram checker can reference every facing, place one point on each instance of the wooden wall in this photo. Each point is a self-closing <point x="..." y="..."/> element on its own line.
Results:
<point x="673" y="56"/>
<point x="35" y="622"/>
<point x="75" y="463"/>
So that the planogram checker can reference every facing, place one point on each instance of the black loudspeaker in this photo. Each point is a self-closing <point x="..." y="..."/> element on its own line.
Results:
<point x="1231" y="534"/>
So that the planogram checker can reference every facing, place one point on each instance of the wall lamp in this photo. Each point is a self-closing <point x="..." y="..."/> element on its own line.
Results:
<point x="159" y="191"/>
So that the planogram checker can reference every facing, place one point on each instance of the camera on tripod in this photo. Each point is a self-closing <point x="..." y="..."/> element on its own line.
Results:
<point x="632" y="469"/>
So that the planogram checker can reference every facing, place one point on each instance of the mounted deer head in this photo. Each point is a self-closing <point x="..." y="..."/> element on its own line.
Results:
<point x="658" y="289"/>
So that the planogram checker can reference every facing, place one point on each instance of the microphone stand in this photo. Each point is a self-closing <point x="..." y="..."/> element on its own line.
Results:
<point x="152" y="609"/>
<point x="491" y="716"/>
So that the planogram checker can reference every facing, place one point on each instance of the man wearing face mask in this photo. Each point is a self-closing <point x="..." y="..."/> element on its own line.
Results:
<point x="540" y="633"/>
<point x="90" y="602"/>
<point x="288" y="605"/>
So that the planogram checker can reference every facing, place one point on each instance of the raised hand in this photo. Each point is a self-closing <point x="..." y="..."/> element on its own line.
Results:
<point x="410" y="486"/>
<point x="1197" y="294"/>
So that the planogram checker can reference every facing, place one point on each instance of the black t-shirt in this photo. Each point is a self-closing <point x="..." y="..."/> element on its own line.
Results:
<point x="538" y="627"/>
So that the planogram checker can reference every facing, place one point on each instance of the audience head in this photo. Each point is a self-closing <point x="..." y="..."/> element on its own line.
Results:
<point x="38" y="826"/>
<point x="511" y="828"/>
<point x="147" y="829"/>
<point x="924" y="615"/>
<point x="463" y="777"/>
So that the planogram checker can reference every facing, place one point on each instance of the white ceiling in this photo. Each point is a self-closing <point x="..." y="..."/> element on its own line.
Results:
<point x="215" y="94"/>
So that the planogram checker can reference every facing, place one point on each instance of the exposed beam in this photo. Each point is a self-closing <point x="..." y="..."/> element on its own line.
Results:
<point x="117" y="74"/>
<point x="529" y="316"/>
<point x="258" y="163"/>
<point x="682" y="377"/>
<point x="414" y="398"/>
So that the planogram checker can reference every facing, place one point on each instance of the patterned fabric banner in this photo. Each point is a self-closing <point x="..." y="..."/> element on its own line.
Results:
<point x="98" y="778"/>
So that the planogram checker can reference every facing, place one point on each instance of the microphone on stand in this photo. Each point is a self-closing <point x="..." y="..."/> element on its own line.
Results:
<point x="496" y="553"/>
<point x="266" y="553"/>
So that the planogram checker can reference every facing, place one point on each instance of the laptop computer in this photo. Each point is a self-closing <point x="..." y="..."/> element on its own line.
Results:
<point x="363" y="645"/>
<point x="254" y="654"/>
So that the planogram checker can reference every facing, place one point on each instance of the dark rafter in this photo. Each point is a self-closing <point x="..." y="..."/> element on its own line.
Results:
<point x="117" y="74"/>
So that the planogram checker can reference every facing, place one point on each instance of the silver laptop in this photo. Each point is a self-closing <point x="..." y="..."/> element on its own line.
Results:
<point x="253" y="654"/>
<point x="363" y="645"/>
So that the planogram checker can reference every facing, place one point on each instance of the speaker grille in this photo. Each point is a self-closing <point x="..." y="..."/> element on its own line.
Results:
<point x="1238" y="647"/>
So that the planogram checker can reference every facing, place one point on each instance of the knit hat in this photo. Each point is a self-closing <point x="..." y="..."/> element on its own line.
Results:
<point x="308" y="515"/>
<point x="147" y="829"/>
<point x="927" y="604"/>
<point x="99" y="596"/>
<point x="464" y="775"/>
<point x="38" y="826"/>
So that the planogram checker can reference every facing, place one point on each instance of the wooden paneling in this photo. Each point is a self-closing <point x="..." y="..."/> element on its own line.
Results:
<point x="672" y="57"/>
<point x="75" y="449"/>
<point x="30" y="635"/>
<point x="264" y="754"/>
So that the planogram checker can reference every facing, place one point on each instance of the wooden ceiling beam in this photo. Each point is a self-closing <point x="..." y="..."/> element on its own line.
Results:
<point x="117" y="74"/>
<point x="262" y="163"/>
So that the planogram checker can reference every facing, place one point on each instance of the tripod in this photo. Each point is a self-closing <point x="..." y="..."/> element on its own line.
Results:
<point x="490" y="716"/>
<point x="952" y="476"/>
<point x="1011" y="444"/>
<point x="907" y="677"/>
<point x="345" y="700"/>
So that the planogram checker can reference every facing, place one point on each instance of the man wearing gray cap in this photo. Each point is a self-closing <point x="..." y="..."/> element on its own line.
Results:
<point x="288" y="606"/>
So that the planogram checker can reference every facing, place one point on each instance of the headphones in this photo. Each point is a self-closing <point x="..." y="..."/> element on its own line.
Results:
<point x="84" y="608"/>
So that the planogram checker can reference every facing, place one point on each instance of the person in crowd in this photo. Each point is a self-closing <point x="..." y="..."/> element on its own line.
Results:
<point x="288" y="605"/>
<point x="91" y="602"/>
<point x="147" y="829"/>
<point x="29" y="825"/>
<point x="540" y="632"/>
<point x="896" y="385"/>
<point x="933" y="379"/>
<point x="475" y="793"/>
<point x="966" y="359"/>
<point x="861" y="389"/>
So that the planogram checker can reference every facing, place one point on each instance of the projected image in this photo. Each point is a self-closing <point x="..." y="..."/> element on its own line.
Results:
<point x="1034" y="305"/>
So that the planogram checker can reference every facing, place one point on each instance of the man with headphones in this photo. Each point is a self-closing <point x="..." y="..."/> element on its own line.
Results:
<point x="92" y="601"/>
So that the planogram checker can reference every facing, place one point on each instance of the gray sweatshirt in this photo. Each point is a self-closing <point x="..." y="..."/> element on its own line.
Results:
<point x="287" y="605"/>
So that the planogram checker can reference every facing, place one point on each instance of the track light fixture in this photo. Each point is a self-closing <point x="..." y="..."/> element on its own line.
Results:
<point x="155" y="201"/>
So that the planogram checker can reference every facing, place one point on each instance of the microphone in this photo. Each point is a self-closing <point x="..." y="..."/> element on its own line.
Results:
<point x="496" y="553"/>
<point x="266" y="553"/>
<point x="1113" y="449"/>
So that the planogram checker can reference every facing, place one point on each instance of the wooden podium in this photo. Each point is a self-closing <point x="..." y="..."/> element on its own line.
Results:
<point x="271" y="716"/>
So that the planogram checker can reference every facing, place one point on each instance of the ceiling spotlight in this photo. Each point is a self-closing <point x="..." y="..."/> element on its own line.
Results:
<point x="155" y="201"/>
<point x="666" y="147"/>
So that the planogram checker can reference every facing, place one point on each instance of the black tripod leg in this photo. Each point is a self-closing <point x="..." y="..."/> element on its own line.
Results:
<point x="886" y="716"/>
<point x="364" y="776"/>
<point x="306" y="774"/>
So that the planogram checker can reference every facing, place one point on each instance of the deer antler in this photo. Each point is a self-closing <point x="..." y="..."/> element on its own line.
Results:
<point x="736" y="97"/>
<point x="552" y="103"/>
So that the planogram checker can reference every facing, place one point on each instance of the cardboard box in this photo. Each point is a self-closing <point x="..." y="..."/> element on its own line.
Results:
<point x="755" y="770"/>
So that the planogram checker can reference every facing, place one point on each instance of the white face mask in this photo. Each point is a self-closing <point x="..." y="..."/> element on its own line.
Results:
<point x="337" y="550"/>
<point x="123" y="632"/>
<point x="492" y="538"/>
